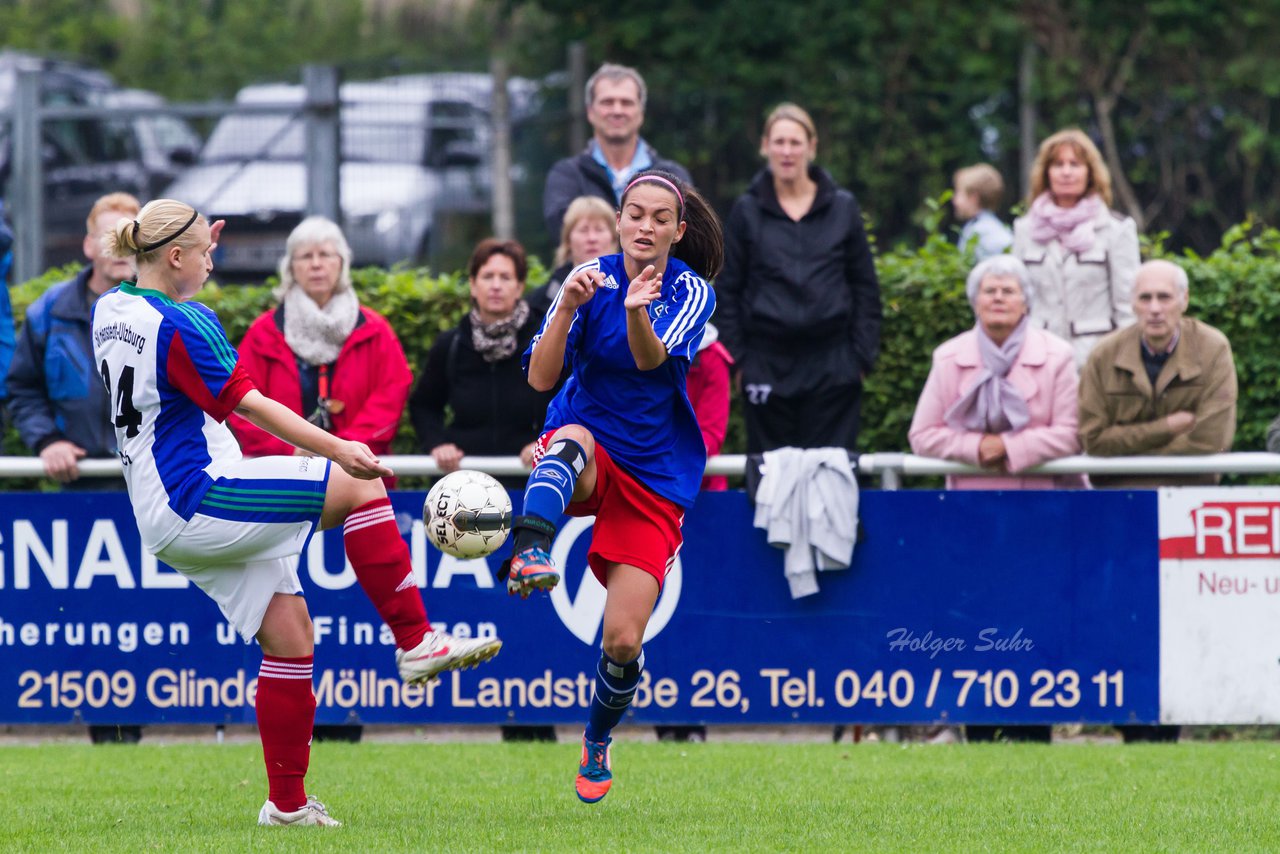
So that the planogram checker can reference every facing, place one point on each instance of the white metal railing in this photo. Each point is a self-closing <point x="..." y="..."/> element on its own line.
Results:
<point x="891" y="468"/>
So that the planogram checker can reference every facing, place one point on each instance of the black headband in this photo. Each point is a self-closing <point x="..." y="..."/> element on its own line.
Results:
<point x="142" y="250"/>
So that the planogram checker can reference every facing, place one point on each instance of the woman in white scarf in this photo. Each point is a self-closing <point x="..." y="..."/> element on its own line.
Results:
<point x="333" y="361"/>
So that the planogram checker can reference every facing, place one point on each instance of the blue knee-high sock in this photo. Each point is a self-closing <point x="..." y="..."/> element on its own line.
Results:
<point x="551" y="484"/>
<point x="615" y="687"/>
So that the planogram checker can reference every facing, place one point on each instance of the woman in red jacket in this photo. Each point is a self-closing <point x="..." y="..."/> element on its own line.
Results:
<point x="331" y="360"/>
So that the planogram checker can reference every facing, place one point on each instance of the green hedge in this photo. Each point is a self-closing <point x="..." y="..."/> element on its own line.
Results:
<point x="1236" y="288"/>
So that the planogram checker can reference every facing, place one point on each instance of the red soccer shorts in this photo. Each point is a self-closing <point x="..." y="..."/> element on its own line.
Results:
<point x="634" y="525"/>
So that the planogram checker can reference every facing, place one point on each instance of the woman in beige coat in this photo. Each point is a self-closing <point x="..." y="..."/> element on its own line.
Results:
<point x="1082" y="256"/>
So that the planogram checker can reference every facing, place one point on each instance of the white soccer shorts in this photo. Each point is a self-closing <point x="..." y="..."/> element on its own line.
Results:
<point x="242" y="545"/>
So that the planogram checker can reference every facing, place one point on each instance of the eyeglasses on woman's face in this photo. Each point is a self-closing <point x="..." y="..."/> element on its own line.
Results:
<point x="324" y="256"/>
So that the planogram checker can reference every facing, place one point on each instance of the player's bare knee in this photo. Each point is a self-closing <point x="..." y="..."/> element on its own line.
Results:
<point x="624" y="644"/>
<point x="345" y="493"/>
<point x="287" y="631"/>
<point x="579" y="434"/>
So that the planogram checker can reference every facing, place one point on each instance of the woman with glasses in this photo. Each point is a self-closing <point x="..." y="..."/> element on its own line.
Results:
<point x="331" y="360"/>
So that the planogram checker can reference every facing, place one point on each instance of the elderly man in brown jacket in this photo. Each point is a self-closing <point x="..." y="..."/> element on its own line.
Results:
<point x="1164" y="386"/>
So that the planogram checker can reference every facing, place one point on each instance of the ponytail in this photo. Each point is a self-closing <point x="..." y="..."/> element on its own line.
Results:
<point x="160" y="223"/>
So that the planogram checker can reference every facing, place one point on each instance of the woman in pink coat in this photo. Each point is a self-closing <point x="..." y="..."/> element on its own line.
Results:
<point x="1003" y="394"/>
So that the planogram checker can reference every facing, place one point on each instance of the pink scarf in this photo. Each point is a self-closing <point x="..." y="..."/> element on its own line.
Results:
<point x="993" y="404"/>
<point x="1073" y="226"/>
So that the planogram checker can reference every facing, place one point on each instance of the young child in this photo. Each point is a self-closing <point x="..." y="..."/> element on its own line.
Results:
<point x="977" y="192"/>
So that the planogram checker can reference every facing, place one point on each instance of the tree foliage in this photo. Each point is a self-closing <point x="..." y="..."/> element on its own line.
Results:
<point x="1182" y="95"/>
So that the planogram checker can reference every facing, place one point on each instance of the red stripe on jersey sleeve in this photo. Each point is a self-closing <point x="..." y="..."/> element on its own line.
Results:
<point x="233" y="392"/>
<point x="187" y="379"/>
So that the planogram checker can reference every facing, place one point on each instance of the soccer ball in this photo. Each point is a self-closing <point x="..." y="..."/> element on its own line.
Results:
<point x="467" y="514"/>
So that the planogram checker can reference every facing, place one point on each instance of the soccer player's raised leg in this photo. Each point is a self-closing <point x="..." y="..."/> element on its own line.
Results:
<point x="565" y="473"/>
<point x="380" y="559"/>
<point x="632" y="595"/>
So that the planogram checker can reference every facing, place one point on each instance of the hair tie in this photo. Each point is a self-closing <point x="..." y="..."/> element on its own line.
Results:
<point x="142" y="250"/>
<point x="136" y="226"/>
<point x="660" y="179"/>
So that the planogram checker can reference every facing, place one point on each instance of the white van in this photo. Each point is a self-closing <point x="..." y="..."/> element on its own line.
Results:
<point x="413" y="147"/>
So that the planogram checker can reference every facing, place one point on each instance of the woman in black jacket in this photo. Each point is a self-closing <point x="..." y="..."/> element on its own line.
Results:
<point x="473" y="373"/>
<point x="798" y="302"/>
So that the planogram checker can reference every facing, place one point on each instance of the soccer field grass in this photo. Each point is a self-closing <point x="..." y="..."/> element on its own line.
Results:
<point x="666" y="797"/>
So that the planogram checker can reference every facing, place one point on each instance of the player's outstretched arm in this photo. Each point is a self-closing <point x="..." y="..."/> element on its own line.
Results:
<point x="547" y="360"/>
<point x="354" y="457"/>
<point x="646" y="348"/>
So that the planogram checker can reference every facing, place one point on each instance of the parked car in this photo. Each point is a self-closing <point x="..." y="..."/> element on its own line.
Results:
<point x="167" y="145"/>
<point x="413" y="147"/>
<point x="86" y="158"/>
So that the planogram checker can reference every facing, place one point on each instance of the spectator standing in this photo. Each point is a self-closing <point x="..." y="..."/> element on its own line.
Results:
<point x="799" y="301"/>
<point x="1273" y="436"/>
<point x="56" y="396"/>
<point x="472" y="396"/>
<point x="590" y="230"/>
<point x="616" y="98"/>
<point x="1002" y="396"/>
<point x="708" y="388"/>
<point x="1082" y="255"/>
<point x="1164" y="386"/>
<point x="7" y="341"/>
<point x="319" y="352"/>
<point x="977" y="192"/>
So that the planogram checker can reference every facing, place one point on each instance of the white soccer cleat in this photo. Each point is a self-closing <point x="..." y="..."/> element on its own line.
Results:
<point x="312" y="814"/>
<point x="440" y="651"/>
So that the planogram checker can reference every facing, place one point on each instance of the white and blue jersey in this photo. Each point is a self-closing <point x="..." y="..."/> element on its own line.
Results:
<point x="642" y="418"/>
<point x="172" y="378"/>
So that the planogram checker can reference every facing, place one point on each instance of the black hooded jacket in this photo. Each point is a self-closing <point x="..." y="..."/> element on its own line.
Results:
<point x="798" y="303"/>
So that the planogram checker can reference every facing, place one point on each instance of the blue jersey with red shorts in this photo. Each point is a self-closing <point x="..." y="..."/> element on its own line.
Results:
<point x="642" y="418"/>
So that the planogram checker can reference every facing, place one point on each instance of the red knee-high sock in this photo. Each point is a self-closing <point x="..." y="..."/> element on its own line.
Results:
<point x="286" y="708"/>
<point x="381" y="563"/>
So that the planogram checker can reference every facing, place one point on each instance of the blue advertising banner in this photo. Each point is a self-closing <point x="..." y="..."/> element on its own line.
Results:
<point x="959" y="606"/>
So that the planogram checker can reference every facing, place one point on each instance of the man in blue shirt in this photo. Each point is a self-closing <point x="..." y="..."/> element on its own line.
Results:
<point x="616" y="97"/>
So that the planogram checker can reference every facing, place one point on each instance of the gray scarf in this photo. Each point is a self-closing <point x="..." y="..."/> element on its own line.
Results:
<point x="993" y="405"/>
<point x="497" y="341"/>
<point x="315" y="334"/>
